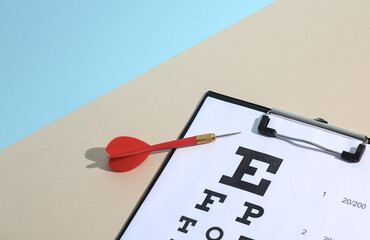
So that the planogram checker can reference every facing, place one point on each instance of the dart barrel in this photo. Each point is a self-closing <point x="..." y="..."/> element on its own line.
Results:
<point x="205" y="138"/>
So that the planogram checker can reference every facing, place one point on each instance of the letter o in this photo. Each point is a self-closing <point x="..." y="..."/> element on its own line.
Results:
<point x="220" y="233"/>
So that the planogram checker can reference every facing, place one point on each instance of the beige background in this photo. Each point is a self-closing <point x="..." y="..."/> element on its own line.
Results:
<point x="308" y="57"/>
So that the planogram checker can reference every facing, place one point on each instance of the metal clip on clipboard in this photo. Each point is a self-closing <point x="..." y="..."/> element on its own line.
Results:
<point x="350" y="157"/>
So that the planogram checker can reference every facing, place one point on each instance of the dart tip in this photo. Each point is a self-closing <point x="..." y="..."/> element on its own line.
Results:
<point x="228" y="134"/>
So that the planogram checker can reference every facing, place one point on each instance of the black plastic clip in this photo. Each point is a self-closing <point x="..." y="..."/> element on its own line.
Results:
<point x="263" y="129"/>
<point x="354" y="157"/>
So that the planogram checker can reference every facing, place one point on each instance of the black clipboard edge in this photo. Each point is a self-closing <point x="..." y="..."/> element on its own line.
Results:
<point x="184" y="131"/>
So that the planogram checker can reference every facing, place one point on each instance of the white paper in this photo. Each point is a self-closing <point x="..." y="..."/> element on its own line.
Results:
<point x="312" y="195"/>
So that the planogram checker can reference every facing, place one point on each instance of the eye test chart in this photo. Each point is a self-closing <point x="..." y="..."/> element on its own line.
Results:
<point x="254" y="187"/>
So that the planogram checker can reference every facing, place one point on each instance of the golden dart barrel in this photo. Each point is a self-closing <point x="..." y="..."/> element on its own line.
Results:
<point x="205" y="138"/>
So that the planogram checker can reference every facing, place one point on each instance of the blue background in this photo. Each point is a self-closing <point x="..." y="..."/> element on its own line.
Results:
<point x="56" y="56"/>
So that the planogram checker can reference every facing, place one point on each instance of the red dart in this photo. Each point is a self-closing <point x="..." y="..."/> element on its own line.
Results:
<point x="126" y="153"/>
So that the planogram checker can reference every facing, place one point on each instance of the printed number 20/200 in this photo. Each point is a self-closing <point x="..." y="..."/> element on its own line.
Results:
<point x="353" y="203"/>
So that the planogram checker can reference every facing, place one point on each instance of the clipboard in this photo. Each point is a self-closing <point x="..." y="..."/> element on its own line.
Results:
<point x="284" y="177"/>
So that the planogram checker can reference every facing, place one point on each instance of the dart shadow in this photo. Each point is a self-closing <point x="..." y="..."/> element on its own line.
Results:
<point x="99" y="157"/>
<point x="161" y="151"/>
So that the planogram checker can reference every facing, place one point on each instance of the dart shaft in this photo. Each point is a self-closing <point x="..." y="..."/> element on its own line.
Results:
<point x="185" y="142"/>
